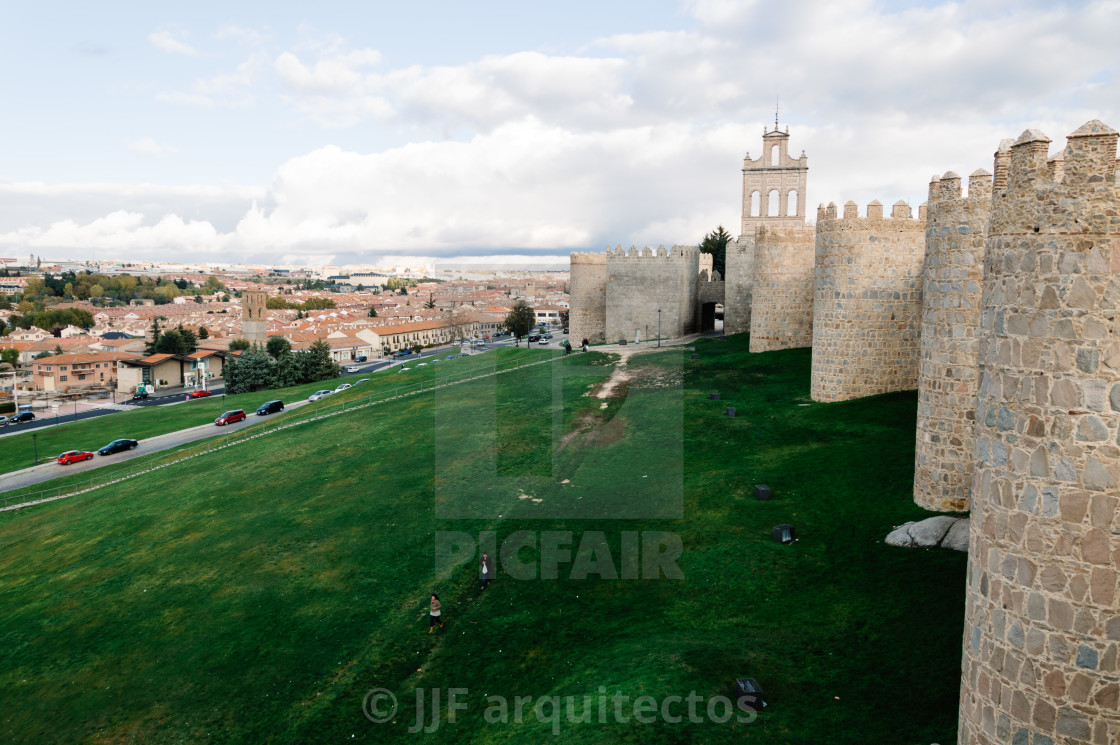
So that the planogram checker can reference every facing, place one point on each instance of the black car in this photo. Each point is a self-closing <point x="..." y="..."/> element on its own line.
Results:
<point x="270" y="407"/>
<point x="362" y="358"/>
<point x="534" y="337"/>
<point x="117" y="446"/>
<point x="139" y="397"/>
<point x="23" y="416"/>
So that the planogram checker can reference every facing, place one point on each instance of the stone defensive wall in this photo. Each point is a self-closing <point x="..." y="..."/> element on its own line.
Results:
<point x="587" y="288"/>
<point x="738" y="281"/>
<point x="782" y="290"/>
<point x="956" y="234"/>
<point x="639" y="283"/>
<point x="1042" y="629"/>
<point x="867" y="301"/>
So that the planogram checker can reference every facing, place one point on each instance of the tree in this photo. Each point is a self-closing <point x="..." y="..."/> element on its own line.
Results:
<point x="150" y="347"/>
<point x="564" y="315"/>
<point x="249" y="372"/>
<point x="10" y="355"/>
<point x="237" y="344"/>
<point x="431" y="302"/>
<point x="44" y="354"/>
<point x="203" y="333"/>
<point x="278" y="346"/>
<point x="372" y="312"/>
<point x="715" y="243"/>
<point x="3" y="327"/>
<point x="320" y="365"/>
<point x="520" y="319"/>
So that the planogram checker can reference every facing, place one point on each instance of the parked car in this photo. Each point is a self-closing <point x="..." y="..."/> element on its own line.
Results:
<point x="543" y="341"/>
<point x="342" y="387"/>
<point x="200" y="394"/>
<point x="138" y="397"/>
<point x="363" y="380"/>
<point x="534" y="337"/>
<point x="546" y="336"/>
<point x="234" y="415"/>
<point x="401" y="353"/>
<point x="362" y="358"/>
<point x="270" y="407"/>
<point x="117" y="446"/>
<point x="451" y="356"/>
<point x="23" y="416"/>
<point x="352" y="368"/>
<point x="74" y="456"/>
<point x="3" y="420"/>
<point x="318" y="395"/>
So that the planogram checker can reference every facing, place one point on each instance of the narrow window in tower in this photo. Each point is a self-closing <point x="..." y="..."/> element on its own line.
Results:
<point x="775" y="208"/>
<point x="791" y="203"/>
<point x="756" y="207"/>
<point x="774" y="155"/>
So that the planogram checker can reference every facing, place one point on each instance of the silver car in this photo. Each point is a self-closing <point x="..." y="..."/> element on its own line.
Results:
<point x="318" y="395"/>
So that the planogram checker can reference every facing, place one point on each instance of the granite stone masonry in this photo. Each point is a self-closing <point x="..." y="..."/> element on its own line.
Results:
<point x="1042" y="630"/>
<point x="782" y="291"/>
<point x="867" y="302"/>
<point x="956" y="233"/>
<point x="587" y="292"/>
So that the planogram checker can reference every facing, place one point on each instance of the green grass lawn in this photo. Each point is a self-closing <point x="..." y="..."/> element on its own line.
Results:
<point x="18" y="451"/>
<point x="257" y="593"/>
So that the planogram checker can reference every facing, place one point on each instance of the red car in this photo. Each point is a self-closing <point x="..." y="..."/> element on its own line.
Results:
<point x="230" y="417"/>
<point x="200" y="394"/>
<point x="74" y="456"/>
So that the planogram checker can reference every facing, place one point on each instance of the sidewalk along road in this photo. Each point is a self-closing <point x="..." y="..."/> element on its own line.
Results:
<point x="51" y="469"/>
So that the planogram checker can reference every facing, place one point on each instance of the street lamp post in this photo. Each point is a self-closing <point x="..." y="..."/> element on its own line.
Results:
<point x="658" y="327"/>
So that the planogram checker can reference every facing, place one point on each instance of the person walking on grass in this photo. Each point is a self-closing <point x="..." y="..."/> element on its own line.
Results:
<point x="435" y="616"/>
<point x="485" y="568"/>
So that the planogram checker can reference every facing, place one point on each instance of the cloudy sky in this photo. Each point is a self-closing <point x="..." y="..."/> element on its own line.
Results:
<point x="501" y="131"/>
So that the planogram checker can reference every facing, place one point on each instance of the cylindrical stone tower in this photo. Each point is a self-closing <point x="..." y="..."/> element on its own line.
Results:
<point x="737" y="286"/>
<point x="1042" y="630"/>
<point x="956" y="233"/>
<point x="867" y="302"/>
<point x="587" y="312"/>
<point x="782" y="291"/>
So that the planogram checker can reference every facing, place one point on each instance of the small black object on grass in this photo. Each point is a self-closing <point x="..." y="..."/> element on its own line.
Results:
<point x="695" y="356"/>
<point x="713" y="396"/>
<point x="749" y="694"/>
<point x="732" y="412"/>
<point x="762" y="492"/>
<point x="783" y="533"/>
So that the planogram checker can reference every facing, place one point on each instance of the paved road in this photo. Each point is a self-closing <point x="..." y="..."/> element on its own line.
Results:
<point x="52" y="470"/>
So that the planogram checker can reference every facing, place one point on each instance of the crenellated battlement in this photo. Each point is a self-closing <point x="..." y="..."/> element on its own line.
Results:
<point x="676" y="252"/>
<point x="947" y="187"/>
<point x="900" y="210"/>
<point x="1060" y="194"/>
<point x="588" y="258"/>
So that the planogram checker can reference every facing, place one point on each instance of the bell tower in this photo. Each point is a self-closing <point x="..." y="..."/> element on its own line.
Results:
<point x="774" y="185"/>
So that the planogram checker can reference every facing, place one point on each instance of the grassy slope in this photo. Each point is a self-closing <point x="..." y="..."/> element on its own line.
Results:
<point x="16" y="451"/>
<point x="259" y="604"/>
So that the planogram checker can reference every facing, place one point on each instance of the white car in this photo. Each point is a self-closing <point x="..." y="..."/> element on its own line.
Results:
<point x="342" y="387"/>
<point x="319" y="394"/>
<point x="3" y="420"/>
<point x="353" y="368"/>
